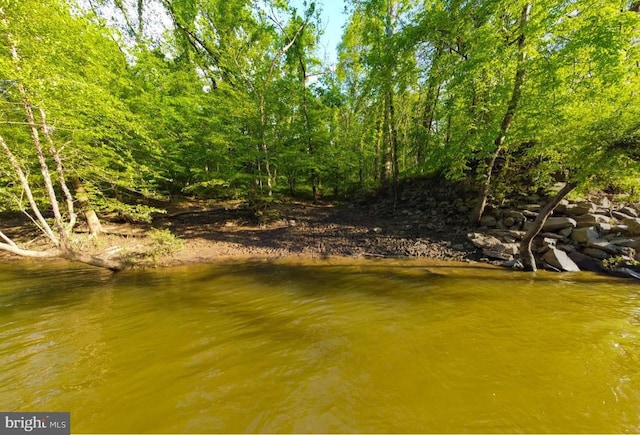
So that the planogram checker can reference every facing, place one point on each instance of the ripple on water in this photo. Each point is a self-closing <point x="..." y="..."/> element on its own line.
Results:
<point x="321" y="347"/>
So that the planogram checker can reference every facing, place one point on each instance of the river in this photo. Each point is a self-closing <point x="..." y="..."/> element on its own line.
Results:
<point x="321" y="346"/>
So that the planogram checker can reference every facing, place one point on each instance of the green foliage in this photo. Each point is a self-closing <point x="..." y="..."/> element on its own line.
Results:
<point x="615" y="262"/>
<point x="232" y="102"/>
<point x="164" y="243"/>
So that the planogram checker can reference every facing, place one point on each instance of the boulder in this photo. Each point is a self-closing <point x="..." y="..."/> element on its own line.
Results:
<point x="631" y="242"/>
<point x="623" y="229"/>
<point x="621" y="215"/>
<point x="562" y="206"/>
<point x="590" y="219"/>
<point x="558" y="223"/>
<point x="560" y="260"/>
<point x="605" y="203"/>
<point x="517" y="216"/>
<point x="604" y="228"/>
<point x="545" y="244"/>
<point x="551" y="236"/>
<point x="497" y="254"/>
<point x="629" y="211"/>
<point x="483" y="241"/>
<point x="585" y="234"/>
<point x="566" y="232"/>
<point x="580" y="208"/>
<point x="533" y="207"/>
<point x="508" y="234"/>
<point x="596" y="253"/>
<point x="488" y="221"/>
<point x="513" y="264"/>
<point x="508" y="248"/>
<point x="633" y="225"/>
<point x="509" y="222"/>
<point x="585" y="262"/>
<point x="606" y="246"/>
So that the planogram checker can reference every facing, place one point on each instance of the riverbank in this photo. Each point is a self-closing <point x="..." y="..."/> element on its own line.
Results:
<point x="206" y="231"/>
<point x="428" y="221"/>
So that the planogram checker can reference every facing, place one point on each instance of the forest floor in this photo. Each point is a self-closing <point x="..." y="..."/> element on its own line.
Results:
<point x="206" y="231"/>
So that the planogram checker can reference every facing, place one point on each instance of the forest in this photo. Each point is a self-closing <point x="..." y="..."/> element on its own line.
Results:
<point x="113" y="106"/>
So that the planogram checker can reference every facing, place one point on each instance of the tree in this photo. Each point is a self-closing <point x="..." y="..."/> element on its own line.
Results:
<point x="59" y="234"/>
<point x="591" y="131"/>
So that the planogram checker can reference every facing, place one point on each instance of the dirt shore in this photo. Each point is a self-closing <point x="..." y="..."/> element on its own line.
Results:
<point x="207" y="232"/>
<point x="313" y="230"/>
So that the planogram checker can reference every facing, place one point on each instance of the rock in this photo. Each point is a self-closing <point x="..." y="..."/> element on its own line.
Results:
<point x="604" y="228"/>
<point x="488" y="221"/>
<point x="596" y="253"/>
<point x="591" y="219"/>
<point x="551" y="236"/>
<point x="566" y="248"/>
<point x="629" y="211"/>
<point x="585" y="262"/>
<point x="633" y="225"/>
<point x="562" y="206"/>
<point x="605" y="245"/>
<point x="513" y="264"/>
<point x="620" y="215"/>
<point x="529" y="214"/>
<point x="580" y="208"/>
<point x="483" y="241"/>
<point x="620" y="229"/>
<point x="560" y="260"/>
<point x="585" y="234"/>
<point x="565" y="232"/>
<point x="545" y="244"/>
<point x="625" y="272"/>
<point x="517" y="216"/>
<point x="504" y="234"/>
<point x="497" y="254"/>
<point x="605" y="202"/>
<point x="509" y="221"/>
<point x="508" y="248"/>
<point x="631" y="242"/>
<point x="558" y="223"/>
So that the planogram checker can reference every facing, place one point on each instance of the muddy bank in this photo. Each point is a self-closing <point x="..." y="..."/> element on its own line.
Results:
<point x="427" y="221"/>
<point x="313" y="230"/>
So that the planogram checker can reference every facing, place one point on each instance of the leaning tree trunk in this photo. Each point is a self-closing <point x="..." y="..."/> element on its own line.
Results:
<point x="58" y="234"/>
<point x="506" y="121"/>
<point x="526" y="256"/>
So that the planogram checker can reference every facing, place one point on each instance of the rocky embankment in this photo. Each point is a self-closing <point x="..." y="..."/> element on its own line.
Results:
<point x="597" y="235"/>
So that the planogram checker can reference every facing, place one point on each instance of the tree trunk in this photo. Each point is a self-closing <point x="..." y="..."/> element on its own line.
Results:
<point x="113" y="265"/>
<point x="506" y="121"/>
<point x="393" y="139"/>
<point x="95" y="227"/>
<point x="526" y="255"/>
<point x="62" y="246"/>
<point x="60" y="170"/>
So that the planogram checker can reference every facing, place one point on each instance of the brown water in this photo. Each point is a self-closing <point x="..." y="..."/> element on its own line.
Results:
<point x="321" y="347"/>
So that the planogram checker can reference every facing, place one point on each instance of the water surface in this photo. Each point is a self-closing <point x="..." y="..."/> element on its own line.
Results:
<point x="324" y="346"/>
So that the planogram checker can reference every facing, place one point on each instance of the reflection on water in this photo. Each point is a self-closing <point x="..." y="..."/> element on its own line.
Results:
<point x="360" y="346"/>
